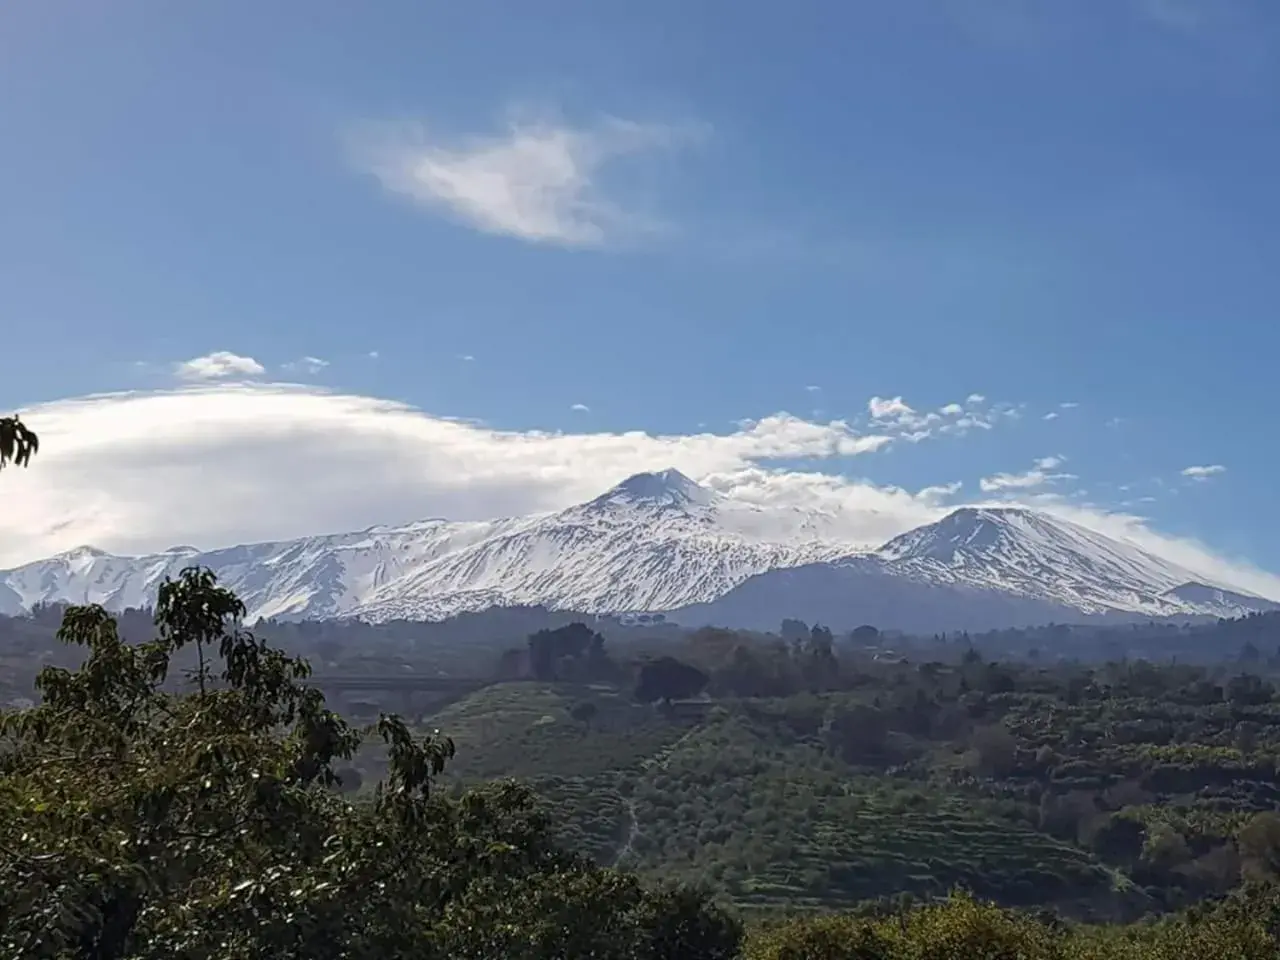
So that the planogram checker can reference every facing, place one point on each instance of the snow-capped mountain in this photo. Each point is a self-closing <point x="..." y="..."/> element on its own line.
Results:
<point x="656" y="541"/>
<point x="979" y="568"/>
<point x="660" y="542"/>
<point x="1036" y="555"/>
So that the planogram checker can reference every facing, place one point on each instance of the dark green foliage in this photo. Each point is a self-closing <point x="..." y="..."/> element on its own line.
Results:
<point x="573" y="652"/>
<point x="667" y="678"/>
<point x="18" y="443"/>
<point x="584" y="712"/>
<point x="864" y="634"/>
<point x="963" y="928"/>
<point x="815" y="777"/>
<point x="139" y="823"/>
<point x="1105" y="792"/>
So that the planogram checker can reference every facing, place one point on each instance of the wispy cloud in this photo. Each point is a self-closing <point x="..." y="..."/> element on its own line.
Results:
<point x="940" y="493"/>
<point x="1203" y="472"/>
<point x="891" y="409"/>
<point x="1039" y="475"/>
<point x="219" y="365"/>
<point x="580" y="408"/>
<point x="539" y="180"/>
<point x="896" y="416"/>
<point x="309" y="365"/>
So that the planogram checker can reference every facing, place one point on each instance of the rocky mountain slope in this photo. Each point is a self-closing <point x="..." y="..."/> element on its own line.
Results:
<point x="660" y="542"/>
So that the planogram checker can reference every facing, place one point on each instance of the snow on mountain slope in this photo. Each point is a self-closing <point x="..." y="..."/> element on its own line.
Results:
<point x="976" y="569"/>
<point x="659" y="541"/>
<point x="1037" y="555"/>
<point x="655" y="541"/>
<point x="321" y="576"/>
<point x="1218" y="601"/>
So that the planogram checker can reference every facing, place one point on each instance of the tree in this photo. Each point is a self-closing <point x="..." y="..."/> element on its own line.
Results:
<point x="667" y="678"/>
<point x="1249" y="690"/>
<point x="18" y="443"/>
<point x="793" y="630"/>
<point x="864" y="635"/>
<point x="815" y="659"/>
<point x="350" y="779"/>
<point x="575" y="641"/>
<point x="994" y="751"/>
<point x="1259" y="842"/>
<point x="1165" y="846"/>
<point x="858" y="734"/>
<point x="584" y="711"/>
<point x="140" y="823"/>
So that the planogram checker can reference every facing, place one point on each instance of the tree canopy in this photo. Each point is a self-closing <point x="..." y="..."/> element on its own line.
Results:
<point x="140" y="821"/>
<point x="18" y="442"/>
<point x="667" y="678"/>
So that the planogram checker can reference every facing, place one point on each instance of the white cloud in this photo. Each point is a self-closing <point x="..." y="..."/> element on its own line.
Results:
<point x="223" y="464"/>
<point x="1011" y="481"/>
<point x="856" y="510"/>
<point x="813" y="388"/>
<point x="894" y="415"/>
<point x="311" y="365"/>
<point x="580" y="408"/>
<point x="466" y="358"/>
<point x="373" y="354"/>
<point x="216" y="464"/>
<point x="219" y="365"/>
<point x="1204" y="472"/>
<point x="1050" y="416"/>
<point x="898" y="417"/>
<point x="539" y="181"/>
<point x="941" y="492"/>
<point x="1068" y="405"/>
<point x="892" y="409"/>
<point x="1038" y="476"/>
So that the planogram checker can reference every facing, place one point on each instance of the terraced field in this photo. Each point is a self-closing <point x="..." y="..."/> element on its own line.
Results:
<point x="527" y="730"/>
<point x="749" y="809"/>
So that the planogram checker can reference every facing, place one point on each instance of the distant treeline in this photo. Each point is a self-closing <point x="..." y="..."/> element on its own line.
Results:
<point x="533" y="642"/>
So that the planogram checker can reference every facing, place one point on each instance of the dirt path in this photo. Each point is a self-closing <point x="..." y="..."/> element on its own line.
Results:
<point x="633" y="831"/>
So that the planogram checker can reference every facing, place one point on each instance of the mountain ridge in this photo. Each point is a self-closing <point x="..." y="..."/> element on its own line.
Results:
<point x="661" y="542"/>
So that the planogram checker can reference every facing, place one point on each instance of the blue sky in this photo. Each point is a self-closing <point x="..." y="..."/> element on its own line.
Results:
<point x="680" y="216"/>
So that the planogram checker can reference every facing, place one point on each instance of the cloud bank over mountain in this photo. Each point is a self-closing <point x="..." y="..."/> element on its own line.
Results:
<point x="226" y="463"/>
